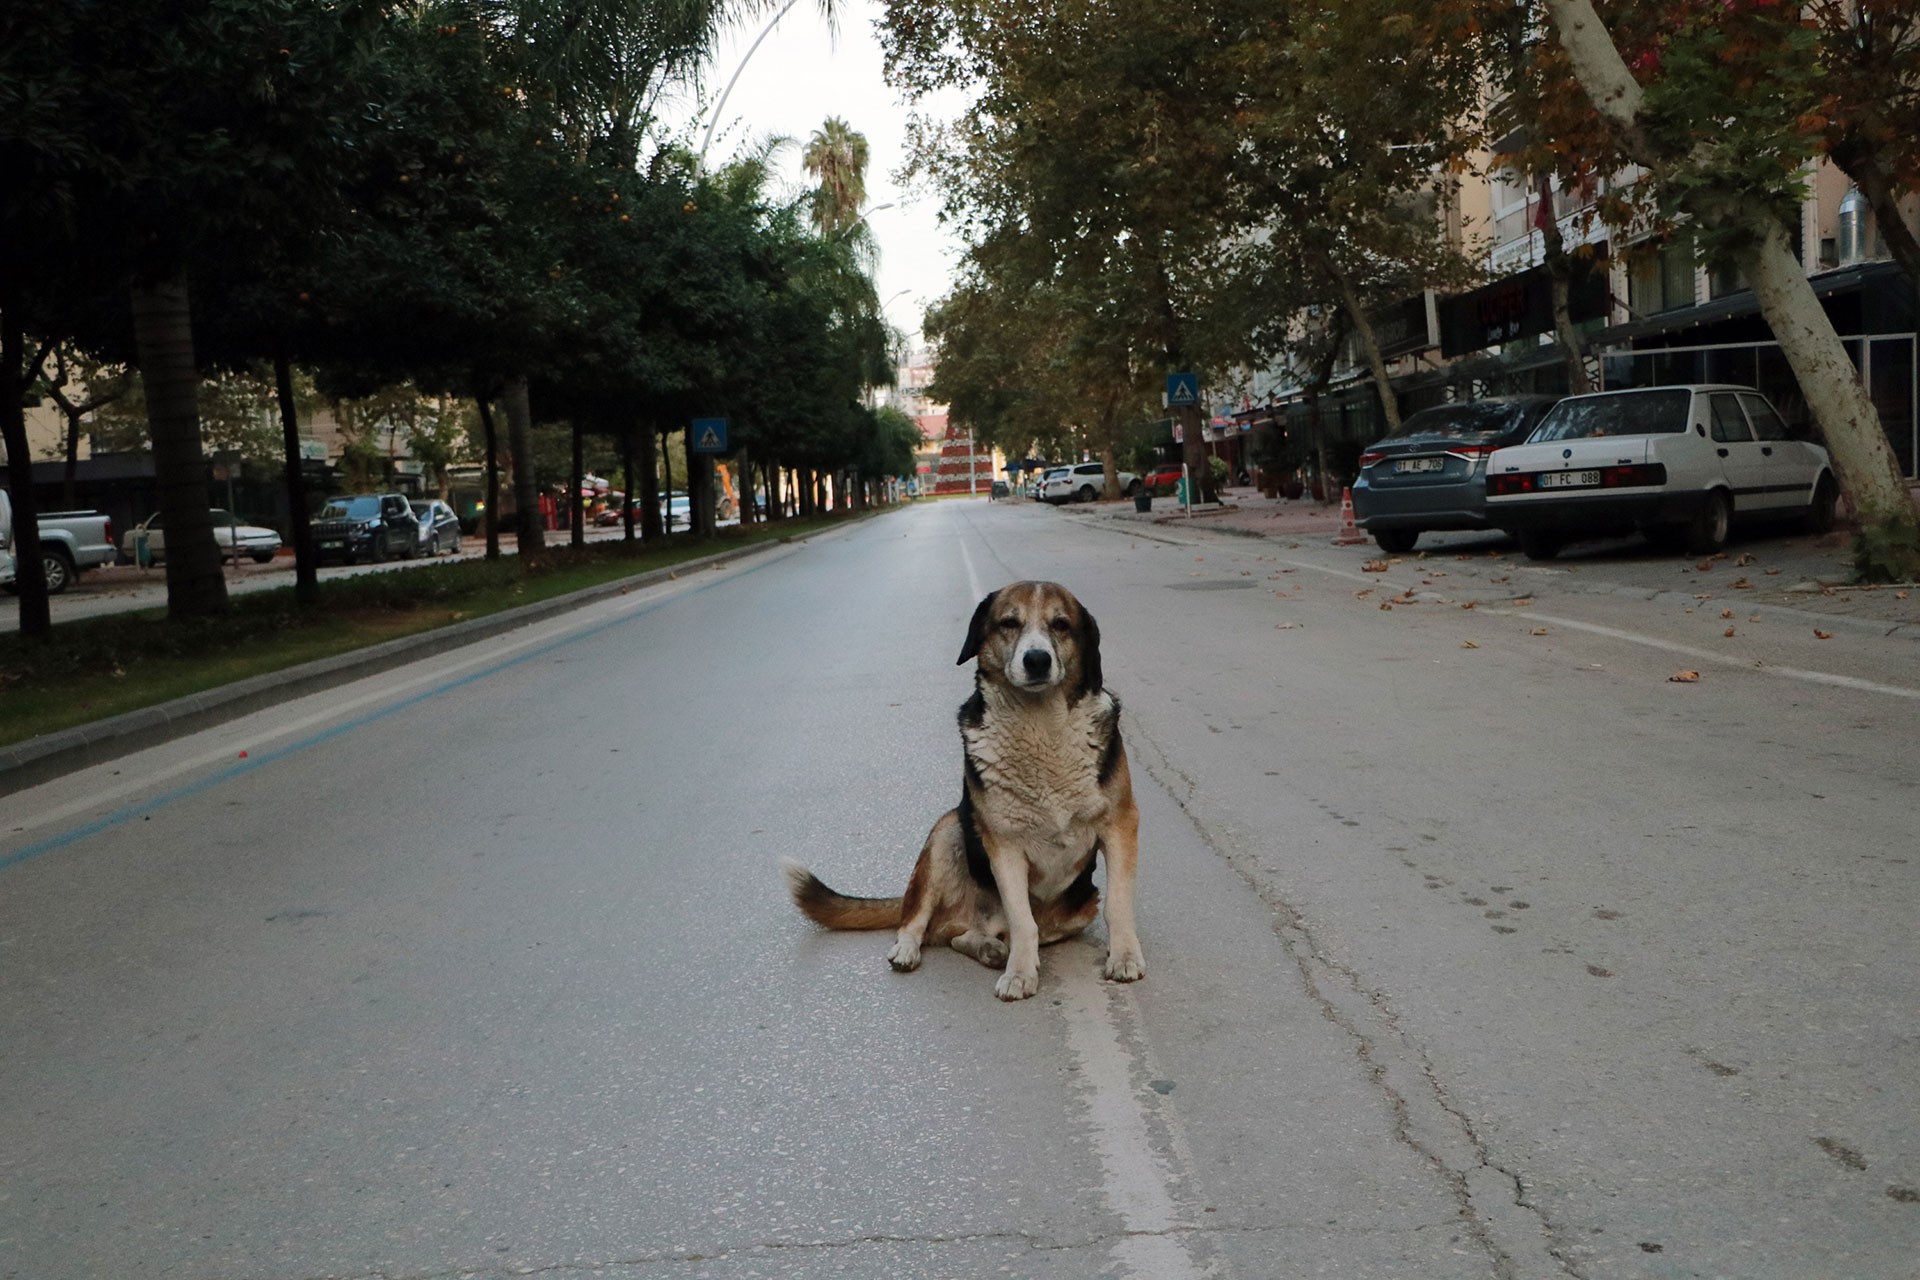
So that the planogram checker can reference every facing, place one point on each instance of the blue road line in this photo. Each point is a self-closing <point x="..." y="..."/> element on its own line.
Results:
<point x="252" y="762"/>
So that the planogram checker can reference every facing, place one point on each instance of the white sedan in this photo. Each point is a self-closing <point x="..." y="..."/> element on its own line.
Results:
<point x="235" y="539"/>
<point x="1083" y="482"/>
<point x="1680" y="464"/>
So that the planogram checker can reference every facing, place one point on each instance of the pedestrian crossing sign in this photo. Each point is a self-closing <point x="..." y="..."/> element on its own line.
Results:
<point x="709" y="435"/>
<point x="1182" y="389"/>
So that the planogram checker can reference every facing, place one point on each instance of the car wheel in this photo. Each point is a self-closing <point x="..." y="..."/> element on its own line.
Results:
<point x="456" y="545"/>
<point x="379" y="555"/>
<point x="1537" y="544"/>
<point x="1707" y="531"/>
<point x="1396" y="541"/>
<point x="1820" y="512"/>
<point x="263" y="557"/>
<point x="1085" y="494"/>
<point x="59" y="570"/>
<point x="433" y="546"/>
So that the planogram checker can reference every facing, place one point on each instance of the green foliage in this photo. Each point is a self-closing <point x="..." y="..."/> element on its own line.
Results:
<point x="1887" y="547"/>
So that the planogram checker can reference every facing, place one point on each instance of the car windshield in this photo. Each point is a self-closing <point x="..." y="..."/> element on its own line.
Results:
<point x="1460" y="421"/>
<point x="351" y="509"/>
<point x="422" y="509"/>
<point x="1618" y="413"/>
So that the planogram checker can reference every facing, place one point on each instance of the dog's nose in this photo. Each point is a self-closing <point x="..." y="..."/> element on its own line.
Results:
<point x="1037" y="662"/>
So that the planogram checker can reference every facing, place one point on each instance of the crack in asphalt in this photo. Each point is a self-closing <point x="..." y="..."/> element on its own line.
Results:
<point x="1315" y="966"/>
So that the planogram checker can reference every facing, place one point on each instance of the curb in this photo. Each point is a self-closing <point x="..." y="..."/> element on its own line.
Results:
<point x="38" y="760"/>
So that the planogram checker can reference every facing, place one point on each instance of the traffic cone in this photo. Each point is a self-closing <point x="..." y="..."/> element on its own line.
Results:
<point x="1350" y="535"/>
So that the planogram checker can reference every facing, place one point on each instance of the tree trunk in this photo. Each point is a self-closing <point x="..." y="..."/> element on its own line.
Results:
<point x="628" y="495"/>
<point x="700" y="493"/>
<point x="650" y="523"/>
<point x="306" y="575"/>
<point x="576" y="485"/>
<point x="1889" y="545"/>
<point x="1573" y="348"/>
<point x="526" y="494"/>
<point x="30" y="572"/>
<point x="1869" y="472"/>
<point x="1369" y="347"/>
<point x="163" y="339"/>
<point x="490" y="517"/>
<point x="776" y="493"/>
<point x="666" y="471"/>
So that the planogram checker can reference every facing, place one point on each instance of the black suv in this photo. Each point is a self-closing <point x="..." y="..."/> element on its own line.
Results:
<point x="366" y="526"/>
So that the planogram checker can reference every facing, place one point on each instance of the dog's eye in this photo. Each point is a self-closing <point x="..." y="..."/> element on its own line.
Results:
<point x="1009" y="624"/>
<point x="1060" y="626"/>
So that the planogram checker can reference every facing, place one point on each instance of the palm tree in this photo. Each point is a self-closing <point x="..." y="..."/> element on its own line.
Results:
<point x="837" y="156"/>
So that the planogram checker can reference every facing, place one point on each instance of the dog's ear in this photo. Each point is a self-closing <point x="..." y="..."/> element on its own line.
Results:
<point x="976" y="630"/>
<point x="1087" y="640"/>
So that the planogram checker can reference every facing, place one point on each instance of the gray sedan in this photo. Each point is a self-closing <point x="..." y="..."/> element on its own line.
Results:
<point x="1432" y="472"/>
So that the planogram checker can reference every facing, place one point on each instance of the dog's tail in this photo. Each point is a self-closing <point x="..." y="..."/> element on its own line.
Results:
<point x="823" y="906"/>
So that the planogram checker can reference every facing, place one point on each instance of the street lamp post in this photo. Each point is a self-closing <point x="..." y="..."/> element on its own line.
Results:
<point x="707" y="139"/>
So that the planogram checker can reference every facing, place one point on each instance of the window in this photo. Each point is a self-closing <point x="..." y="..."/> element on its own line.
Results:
<point x="1622" y="413"/>
<point x="1729" y="424"/>
<point x="1767" y="425"/>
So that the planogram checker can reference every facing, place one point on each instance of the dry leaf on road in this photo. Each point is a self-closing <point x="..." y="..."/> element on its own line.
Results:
<point x="1684" y="677"/>
<point x="1375" y="566"/>
<point x="1728" y="632"/>
<point x="1538" y="631"/>
<point x="1726" y="613"/>
<point x="1818" y="634"/>
<point x="1468" y="644"/>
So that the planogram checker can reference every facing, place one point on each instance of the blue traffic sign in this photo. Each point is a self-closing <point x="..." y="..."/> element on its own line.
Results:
<point x="709" y="435"/>
<point x="1182" y="389"/>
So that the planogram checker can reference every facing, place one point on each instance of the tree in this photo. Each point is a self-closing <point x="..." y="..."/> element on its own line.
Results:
<point x="1727" y="162"/>
<point x="836" y="155"/>
<point x="1870" y="52"/>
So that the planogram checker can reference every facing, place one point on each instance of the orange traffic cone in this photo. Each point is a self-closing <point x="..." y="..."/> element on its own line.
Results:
<point x="1350" y="535"/>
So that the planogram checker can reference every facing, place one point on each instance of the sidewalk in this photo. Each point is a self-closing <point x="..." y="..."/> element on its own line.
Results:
<point x="1799" y="574"/>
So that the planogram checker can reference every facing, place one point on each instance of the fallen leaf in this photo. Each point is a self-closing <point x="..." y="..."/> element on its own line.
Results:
<point x="1754" y="618"/>
<point x="1818" y="634"/>
<point x="1468" y="604"/>
<point x="1899" y="595"/>
<point x="1726" y="613"/>
<point x="1387" y="605"/>
<point x="1539" y="631"/>
<point x="1523" y="602"/>
<point x="1741" y="584"/>
<point x="1502" y="578"/>
<point x="1745" y="559"/>
<point x="1684" y="677"/>
<point x="1704" y="565"/>
<point x="1363" y="594"/>
<point x="1375" y="566"/>
<point x="1728" y="632"/>
<point x="1772" y="572"/>
<point x="1468" y="644"/>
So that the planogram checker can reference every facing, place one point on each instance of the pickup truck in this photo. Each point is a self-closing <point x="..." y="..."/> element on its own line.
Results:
<point x="70" y="542"/>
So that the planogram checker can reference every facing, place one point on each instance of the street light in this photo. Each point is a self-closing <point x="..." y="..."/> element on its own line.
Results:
<point x="707" y="140"/>
<point x="862" y="218"/>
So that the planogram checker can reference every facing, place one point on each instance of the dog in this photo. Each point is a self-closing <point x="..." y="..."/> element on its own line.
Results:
<point x="1045" y="791"/>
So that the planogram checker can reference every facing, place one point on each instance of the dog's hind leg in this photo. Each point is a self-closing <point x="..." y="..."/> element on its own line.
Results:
<point x="988" y="948"/>
<point x="925" y="892"/>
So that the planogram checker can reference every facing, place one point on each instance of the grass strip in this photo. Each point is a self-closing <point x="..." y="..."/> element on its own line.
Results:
<point x="93" y="668"/>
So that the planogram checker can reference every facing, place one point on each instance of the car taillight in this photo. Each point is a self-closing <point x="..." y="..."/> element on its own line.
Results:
<point x="1639" y="474"/>
<point x="1512" y="482"/>
<point x="110" y="541"/>
<point x="1472" y="450"/>
<point x="1370" y="457"/>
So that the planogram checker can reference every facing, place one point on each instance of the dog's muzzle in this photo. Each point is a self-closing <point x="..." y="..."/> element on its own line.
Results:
<point x="1037" y="664"/>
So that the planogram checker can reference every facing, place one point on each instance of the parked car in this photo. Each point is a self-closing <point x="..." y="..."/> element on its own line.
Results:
<point x="1046" y="477"/>
<point x="1432" y="472"/>
<point x="1680" y="464"/>
<point x="366" y="526"/>
<point x="998" y="490"/>
<point x="1163" y="479"/>
<point x="71" y="542"/>
<point x="676" y="511"/>
<point x="1083" y="482"/>
<point x="616" y="514"/>
<point x="439" y="526"/>
<point x="233" y="538"/>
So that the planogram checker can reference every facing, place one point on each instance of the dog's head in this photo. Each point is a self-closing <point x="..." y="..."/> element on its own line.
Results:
<point x="1035" y="637"/>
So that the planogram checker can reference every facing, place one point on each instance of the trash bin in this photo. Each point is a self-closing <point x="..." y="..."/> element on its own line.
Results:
<point x="1143" y="500"/>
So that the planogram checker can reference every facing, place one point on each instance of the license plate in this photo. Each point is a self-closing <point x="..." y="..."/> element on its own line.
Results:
<point x="1568" y="479"/>
<point x="330" y="546"/>
<point x="1410" y="466"/>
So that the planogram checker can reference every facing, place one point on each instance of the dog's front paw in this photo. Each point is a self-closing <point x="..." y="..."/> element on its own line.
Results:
<point x="905" y="956"/>
<point x="1016" y="984"/>
<point x="1124" y="966"/>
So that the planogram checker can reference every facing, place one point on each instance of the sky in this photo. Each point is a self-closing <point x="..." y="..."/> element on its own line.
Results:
<point x="804" y="72"/>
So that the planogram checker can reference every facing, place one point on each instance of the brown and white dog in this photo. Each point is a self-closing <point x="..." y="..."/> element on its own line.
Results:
<point x="1046" y="790"/>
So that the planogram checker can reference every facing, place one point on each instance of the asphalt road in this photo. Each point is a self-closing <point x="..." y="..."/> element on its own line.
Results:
<point x="1477" y="946"/>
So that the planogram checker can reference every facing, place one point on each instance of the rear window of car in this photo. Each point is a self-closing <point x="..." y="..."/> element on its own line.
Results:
<point x="1617" y="413"/>
<point x="1464" y="421"/>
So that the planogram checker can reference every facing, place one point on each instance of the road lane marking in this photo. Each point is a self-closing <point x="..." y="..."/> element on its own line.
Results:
<point x="1135" y="1181"/>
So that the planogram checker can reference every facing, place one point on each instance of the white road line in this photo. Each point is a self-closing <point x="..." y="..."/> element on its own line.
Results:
<point x="1136" y="1183"/>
